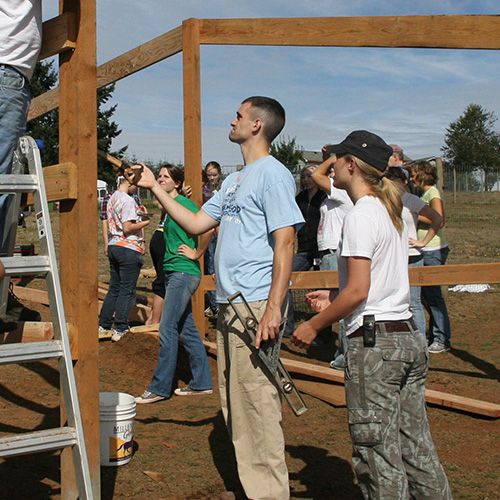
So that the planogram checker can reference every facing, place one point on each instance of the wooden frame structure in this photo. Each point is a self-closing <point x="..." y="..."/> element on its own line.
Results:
<point x="72" y="35"/>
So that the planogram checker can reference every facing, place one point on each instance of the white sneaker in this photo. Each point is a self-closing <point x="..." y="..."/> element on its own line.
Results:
<point x="186" y="391"/>
<point x="118" y="335"/>
<point x="438" y="347"/>
<point x="148" y="397"/>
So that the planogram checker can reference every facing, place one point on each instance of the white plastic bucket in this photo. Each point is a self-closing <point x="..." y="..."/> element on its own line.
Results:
<point x="116" y="412"/>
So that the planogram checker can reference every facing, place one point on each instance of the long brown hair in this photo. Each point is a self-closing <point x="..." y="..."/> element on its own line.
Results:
<point x="387" y="191"/>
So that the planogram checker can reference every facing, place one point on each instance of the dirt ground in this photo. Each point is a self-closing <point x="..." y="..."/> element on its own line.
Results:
<point x="184" y="443"/>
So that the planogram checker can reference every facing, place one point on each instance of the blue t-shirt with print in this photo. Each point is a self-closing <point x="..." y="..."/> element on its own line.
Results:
<point x="250" y="205"/>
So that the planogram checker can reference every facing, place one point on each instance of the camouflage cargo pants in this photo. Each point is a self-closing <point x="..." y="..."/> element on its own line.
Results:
<point x="393" y="453"/>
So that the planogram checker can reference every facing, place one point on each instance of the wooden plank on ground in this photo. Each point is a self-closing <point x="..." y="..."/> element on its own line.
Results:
<point x="447" y="32"/>
<point x="149" y="272"/>
<point x="32" y="295"/>
<point x="28" y="331"/>
<point x="462" y="403"/>
<point x="326" y="391"/>
<point x="433" y="397"/>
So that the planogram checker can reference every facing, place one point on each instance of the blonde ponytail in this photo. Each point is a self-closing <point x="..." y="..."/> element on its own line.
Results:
<point x="388" y="192"/>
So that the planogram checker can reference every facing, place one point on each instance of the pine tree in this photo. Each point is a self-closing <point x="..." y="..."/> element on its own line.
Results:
<point x="46" y="127"/>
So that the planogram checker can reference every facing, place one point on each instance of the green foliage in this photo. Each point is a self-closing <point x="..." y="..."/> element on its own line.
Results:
<point x="288" y="152"/>
<point x="472" y="145"/>
<point x="46" y="127"/>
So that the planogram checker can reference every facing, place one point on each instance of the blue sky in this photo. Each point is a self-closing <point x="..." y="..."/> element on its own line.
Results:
<point x="408" y="96"/>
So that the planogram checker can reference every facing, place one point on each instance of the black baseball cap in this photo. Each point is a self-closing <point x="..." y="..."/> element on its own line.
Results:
<point x="366" y="146"/>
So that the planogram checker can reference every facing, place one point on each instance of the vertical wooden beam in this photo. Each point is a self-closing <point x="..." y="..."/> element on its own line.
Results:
<point x="78" y="228"/>
<point x="192" y="134"/>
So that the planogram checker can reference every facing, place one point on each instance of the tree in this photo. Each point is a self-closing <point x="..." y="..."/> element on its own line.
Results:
<point x="46" y="127"/>
<point x="288" y="152"/>
<point x="471" y="144"/>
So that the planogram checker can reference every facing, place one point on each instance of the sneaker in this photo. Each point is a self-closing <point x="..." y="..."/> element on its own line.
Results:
<point x="186" y="391"/>
<point x="118" y="335"/>
<point x="104" y="333"/>
<point x="337" y="365"/>
<point x="437" y="347"/>
<point x="148" y="397"/>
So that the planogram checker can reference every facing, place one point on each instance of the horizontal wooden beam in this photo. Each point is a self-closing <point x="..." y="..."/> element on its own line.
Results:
<point x="61" y="182"/>
<point x="458" y="274"/>
<point x="444" y="32"/>
<point x="58" y="35"/>
<point x="126" y="64"/>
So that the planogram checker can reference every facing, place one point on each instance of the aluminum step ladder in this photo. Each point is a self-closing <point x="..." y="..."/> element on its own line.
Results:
<point x="27" y="158"/>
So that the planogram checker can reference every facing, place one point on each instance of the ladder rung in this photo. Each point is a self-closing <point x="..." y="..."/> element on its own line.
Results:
<point x="34" y="442"/>
<point x="20" y="183"/>
<point x="21" y="352"/>
<point x="33" y="264"/>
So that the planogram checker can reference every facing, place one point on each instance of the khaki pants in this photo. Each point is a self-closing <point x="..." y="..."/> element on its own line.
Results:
<point x="251" y="406"/>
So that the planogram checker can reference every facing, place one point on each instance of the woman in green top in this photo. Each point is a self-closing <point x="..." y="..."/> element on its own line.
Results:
<point x="182" y="277"/>
<point x="435" y="254"/>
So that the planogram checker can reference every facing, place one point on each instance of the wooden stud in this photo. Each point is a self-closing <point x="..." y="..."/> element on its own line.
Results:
<point x="78" y="228"/>
<point x="192" y="134"/>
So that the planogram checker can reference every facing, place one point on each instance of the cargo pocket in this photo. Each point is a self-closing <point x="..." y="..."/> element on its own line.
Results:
<point x="365" y="425"/>
<point x="396" y="363"/>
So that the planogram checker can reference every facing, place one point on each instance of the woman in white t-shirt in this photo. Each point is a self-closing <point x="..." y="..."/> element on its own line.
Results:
<point x="386" y="361"/>
<point x="413" y="206"/>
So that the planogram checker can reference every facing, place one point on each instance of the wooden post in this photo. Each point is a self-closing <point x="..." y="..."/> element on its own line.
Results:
<point x="78" y="228"/>
<point x="192" y="135"/>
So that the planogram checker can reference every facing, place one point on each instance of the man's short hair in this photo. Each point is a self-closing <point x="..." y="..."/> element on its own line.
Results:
<point x="271" y="113"/>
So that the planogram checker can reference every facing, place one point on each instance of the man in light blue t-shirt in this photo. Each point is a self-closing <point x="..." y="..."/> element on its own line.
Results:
<point x="258" y="217"/>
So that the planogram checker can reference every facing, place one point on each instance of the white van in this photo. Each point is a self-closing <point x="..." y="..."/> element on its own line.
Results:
<point x="102" y="190"/>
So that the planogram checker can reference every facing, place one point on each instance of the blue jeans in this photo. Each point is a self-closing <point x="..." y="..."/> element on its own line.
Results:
<point x="416" y="307"/>
<point x="177" y="320"/>
<point x="329" y="263"/>
<point x="124" y="267"/>
<point x="439" y="326"/>
<point x="210" y="269"/>
<point x="14" y="104"/>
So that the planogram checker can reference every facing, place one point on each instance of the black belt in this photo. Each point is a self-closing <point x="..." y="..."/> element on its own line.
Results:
<point x="329" y="251"/>
<point x="407" y="325"/>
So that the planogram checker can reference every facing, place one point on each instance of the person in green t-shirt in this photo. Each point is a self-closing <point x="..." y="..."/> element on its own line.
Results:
<point x="182" y="277"/>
